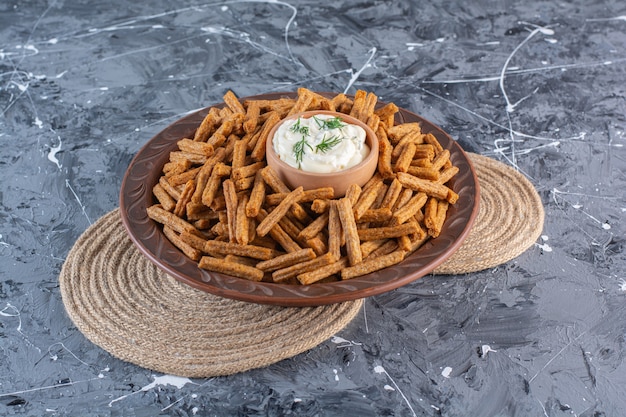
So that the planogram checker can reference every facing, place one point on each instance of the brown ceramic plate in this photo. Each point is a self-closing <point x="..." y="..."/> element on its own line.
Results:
<point x="144" y="172"/>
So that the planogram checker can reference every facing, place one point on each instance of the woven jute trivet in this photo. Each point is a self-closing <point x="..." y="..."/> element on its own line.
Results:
<point x="123" y="303"/>
<point x="510" y="219"/>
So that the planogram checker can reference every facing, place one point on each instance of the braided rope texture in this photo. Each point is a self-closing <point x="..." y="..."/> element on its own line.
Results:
<point x="123" y="303"/>
<point x="510" y="219"/>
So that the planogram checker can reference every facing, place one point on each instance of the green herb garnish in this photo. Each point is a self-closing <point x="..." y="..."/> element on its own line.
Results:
<point x="327" y="143"/>
<point x="298" y="128"/>
<point x="334" y="123"/>
<point x="299" y="148"/>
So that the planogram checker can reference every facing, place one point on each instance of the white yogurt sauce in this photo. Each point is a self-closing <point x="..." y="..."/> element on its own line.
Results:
<point x="321" y="144"/>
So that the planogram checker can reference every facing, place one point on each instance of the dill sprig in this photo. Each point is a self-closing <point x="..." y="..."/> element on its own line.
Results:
<point x="299" y="148"/>
<point x="327" y="143"/>
<point x="334" y="123"/>
<point x="298" y="128"/>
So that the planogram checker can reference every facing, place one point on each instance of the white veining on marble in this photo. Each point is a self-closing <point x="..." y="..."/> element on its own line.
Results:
<point x="55" y="356"/>
<point x="559" y="199"/>
<point x="80" y="203"/>
<point x="12" y="311"/>
<point x="511" y="151"/>
<point x="50" y="387"/>
<point x="355" y="75"/>
<point x="606" y="19"/>
<point x="52" y="155"/>
<point x="380" y="370"/>
<point x="543" y="368"/>
<point x="510" y="107"/>
<point x="544" y="246"/>
<point x="485" y="349"/>
<point x="173" y="380"/>
<point x="241" y="36"/>
<point x="343" y="343"/>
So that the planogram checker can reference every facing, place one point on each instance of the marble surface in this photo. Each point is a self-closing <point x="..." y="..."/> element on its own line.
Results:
<point x="538" y="85"/>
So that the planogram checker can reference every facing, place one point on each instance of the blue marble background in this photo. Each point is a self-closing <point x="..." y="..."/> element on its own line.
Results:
<point x="538" y="85"/>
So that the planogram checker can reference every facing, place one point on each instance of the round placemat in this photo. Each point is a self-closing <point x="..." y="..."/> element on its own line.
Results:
<point x="123" y="303"/>
<point x="510" y="219"/>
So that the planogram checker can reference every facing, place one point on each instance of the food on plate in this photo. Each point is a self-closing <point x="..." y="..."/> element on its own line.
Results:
<point x="225" y="208"/>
